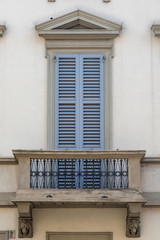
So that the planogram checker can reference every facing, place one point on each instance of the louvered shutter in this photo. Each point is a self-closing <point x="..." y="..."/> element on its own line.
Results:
<point x="66" y="104"/>
<point x="79" y="111"/>
<point x="92" y="98"/>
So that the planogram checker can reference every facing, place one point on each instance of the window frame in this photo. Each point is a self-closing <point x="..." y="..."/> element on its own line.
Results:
<point x="95" y="35"/>
<point x="5" y="233"/>
<point x="79" y="102"/>
<point x="107" y="52"/>
<point x="108" y="235"/>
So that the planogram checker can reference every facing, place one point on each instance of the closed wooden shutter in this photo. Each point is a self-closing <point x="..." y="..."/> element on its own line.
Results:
<point x="79" y="98"/>
<point x="66" y="112"/>
<point x="92" y="98"/>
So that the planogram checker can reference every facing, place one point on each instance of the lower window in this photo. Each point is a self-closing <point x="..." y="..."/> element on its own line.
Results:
<point x="4" y="235"/>
<point x="80" y="236"/>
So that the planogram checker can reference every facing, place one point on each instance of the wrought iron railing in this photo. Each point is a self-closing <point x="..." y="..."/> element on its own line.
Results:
<point x="79" y="173"/>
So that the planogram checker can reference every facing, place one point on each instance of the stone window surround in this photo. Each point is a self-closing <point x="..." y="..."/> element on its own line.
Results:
<point x="97" y="38"/>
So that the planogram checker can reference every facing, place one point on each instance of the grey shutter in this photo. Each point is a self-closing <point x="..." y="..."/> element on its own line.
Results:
<point x="92" y="100"/>
<point x="66" y="77"/>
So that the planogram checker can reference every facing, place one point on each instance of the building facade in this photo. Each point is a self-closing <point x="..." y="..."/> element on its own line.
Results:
<point x="79" y="90"/>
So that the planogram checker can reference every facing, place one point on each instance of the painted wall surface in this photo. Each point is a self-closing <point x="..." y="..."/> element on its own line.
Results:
<point x="150" y="177"/>
<point x="8" y="178"/>
<point x="81" y="220"/>
<point x="135" y="73"/>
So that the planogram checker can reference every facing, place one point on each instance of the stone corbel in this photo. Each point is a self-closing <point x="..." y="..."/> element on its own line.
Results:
<point x="133" y="220"/>
<point x="156" y="29"/>
<point x="2" y="29"/>
<point x="25" y="227"/>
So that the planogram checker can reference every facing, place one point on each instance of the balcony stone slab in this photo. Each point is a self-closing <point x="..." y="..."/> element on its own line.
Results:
<point x="78" y="198"/>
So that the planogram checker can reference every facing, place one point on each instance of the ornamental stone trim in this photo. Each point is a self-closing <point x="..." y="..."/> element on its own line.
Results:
<point x="133" y="227"/>
<point x="25" y="228"/>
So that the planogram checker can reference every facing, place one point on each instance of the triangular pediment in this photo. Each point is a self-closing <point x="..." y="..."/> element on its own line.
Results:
<point x="78" y="22"/>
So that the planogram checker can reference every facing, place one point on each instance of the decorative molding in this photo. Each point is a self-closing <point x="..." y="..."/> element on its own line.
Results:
<point x="156" y="29"/>
<point x="133" y="227"/>
<point x="78" y="25"/>
<point x="151" y="160"/>
<point x="25" y="229"/>
<point x="133" y="220"/>
<point x="2" y="29"/>
<point x="8" y="161"/>
<point x="78" y="154"/>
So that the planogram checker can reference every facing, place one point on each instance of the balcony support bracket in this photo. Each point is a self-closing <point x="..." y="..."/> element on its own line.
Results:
<point x="25" y="227"/>
<point x="133" y="220"/>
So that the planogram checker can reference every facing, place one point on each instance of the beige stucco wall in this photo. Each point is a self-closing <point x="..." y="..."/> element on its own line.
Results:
<point x="8" y="178"/>
<point x="8" y="219"/>
<point x="81" y="220"/>
<point x="150" y="177"/>
<point x="135" y="73"/>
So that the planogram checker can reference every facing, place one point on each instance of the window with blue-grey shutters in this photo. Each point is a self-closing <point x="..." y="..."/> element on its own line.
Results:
<point x="79" y="102"/>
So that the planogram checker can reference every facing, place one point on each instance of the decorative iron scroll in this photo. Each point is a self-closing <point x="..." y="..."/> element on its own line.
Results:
<point x="79" y="173"/>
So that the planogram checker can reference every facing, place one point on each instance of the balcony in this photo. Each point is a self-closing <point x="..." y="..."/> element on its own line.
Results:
<point x="79" y="173"/>
<point x="79" y="178"/>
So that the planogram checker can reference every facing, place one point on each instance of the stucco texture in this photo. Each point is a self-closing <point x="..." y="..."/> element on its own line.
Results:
<point x="135" y="73"/>
<point x="83" y="220"/>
